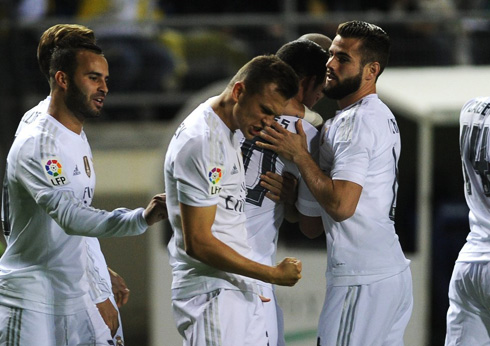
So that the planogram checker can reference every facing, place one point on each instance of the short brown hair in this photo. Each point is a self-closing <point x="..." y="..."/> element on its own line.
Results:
<point x="266" y="69"/>
<point x="65" y="58"/>
<point x="307" y="58"/>
<point x="63" y="36"/>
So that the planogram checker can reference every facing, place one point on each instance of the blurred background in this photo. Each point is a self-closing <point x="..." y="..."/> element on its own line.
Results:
<point x="166" y="56"/>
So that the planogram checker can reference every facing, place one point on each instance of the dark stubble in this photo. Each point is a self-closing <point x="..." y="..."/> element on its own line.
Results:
<point x="78" y="103"/>
<point x="344" y="88"/>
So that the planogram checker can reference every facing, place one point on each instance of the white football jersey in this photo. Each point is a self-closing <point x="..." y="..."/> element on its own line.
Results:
<point x="32" y="114"/>
<point x="100" y="281"/>
<point x="264" y="216"/>
<point x="50" y="184"/>
<point x="475" y="156"/>
<point x="362" y="145"/>
<point x="204" y="167"/>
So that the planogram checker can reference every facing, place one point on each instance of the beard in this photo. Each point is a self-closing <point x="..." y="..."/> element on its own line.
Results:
<point x="77" y="103"/>
<point x="344" y="88"/>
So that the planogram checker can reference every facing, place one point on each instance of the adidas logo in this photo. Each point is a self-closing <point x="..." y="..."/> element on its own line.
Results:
<point x="76" y="171"/>
<point x="234" y="170"/>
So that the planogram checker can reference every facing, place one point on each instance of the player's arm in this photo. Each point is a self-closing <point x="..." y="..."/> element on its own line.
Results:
<point x="58" y="199"/>
<point x="201" y="244"/>
<point x="338" y="198"/>
<point x="77" y="219"/>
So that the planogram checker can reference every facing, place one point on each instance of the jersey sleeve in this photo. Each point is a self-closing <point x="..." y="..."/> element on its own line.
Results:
<point x="69" y="212"/>
<point x="354" y="140"/>
<point x="199" y="173"/>
<point x="312" y="140"/>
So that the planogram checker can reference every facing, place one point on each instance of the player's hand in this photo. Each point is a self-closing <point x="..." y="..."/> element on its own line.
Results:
<point x="289" y="192"/>
<point x="287" y="144"/>
<point x="109" y="315"/>
<point x="119" y="288"/>
<point x="280" y="188"/>
<point x="264" y="299"/>
<point x="156" y="210"/>
<point x="289" y="272"/>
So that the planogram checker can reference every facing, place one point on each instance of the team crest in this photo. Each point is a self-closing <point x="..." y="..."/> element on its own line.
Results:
<point x="87" y="166"/>
<point x="53" y="169"/>
<point x="214" y="176"/>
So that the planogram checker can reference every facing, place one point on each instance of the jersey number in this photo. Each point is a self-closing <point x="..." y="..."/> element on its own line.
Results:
<point x="256" y="194"/>
<point x="477" y="156"/>
<point x="395" y="187"/>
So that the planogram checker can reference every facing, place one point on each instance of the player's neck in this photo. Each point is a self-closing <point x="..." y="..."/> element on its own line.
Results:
<point x="60" y="112"/>
<point x="362" y="92"/>
<point x="223" y="107"/>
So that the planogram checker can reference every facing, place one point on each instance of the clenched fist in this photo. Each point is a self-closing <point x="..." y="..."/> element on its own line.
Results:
<point x="289" y="272"/>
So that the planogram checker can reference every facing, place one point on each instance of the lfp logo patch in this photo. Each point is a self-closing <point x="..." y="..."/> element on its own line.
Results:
<point x="215" y="175"/>
<point x="53" y="170"/>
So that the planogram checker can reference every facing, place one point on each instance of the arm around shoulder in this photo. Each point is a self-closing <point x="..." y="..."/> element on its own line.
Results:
<point x="338" y="198"/>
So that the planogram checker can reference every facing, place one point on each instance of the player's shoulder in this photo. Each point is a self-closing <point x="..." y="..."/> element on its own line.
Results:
<point x="45" y="132"/>
<point x="33" y="114"/>
<point x="203" y="121"/>
<point x="479" y="104"/>
<point x="200" y="129"/>
<point x="371" y="113"/>
<point x="289" y="123"/>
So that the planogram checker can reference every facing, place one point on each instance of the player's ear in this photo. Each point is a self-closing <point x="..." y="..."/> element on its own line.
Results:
<point x="372" y="70"/>
<point x="237" y="90"/>
<point x="61" y="79"/>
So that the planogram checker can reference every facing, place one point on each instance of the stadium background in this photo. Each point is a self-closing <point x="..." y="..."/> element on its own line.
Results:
<point x="165" y="56"/>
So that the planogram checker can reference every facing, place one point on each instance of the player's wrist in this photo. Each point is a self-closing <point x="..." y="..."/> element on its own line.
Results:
<point x="301" y="157"/>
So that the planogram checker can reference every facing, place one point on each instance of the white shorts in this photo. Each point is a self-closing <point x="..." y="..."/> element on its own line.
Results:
<point x="274" y="319"/>
<point x="468" y="316"/>
<point x="367" y="315"/>
<point x="221" y="318"/>
<point x="19" y="327"/>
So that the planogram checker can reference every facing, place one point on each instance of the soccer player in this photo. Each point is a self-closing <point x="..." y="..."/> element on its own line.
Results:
<point x="264" y="168"/>
<point x="50" y="182"/>
<point x="369" y="287"/>
<point x="304" y="112"/>
<point x="215" y="297"/>
<point x="108" y="289"/>
<point x="468" y="317"/>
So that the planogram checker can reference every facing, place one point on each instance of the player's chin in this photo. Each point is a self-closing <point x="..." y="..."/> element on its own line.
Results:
<point x="94" y="114"/>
